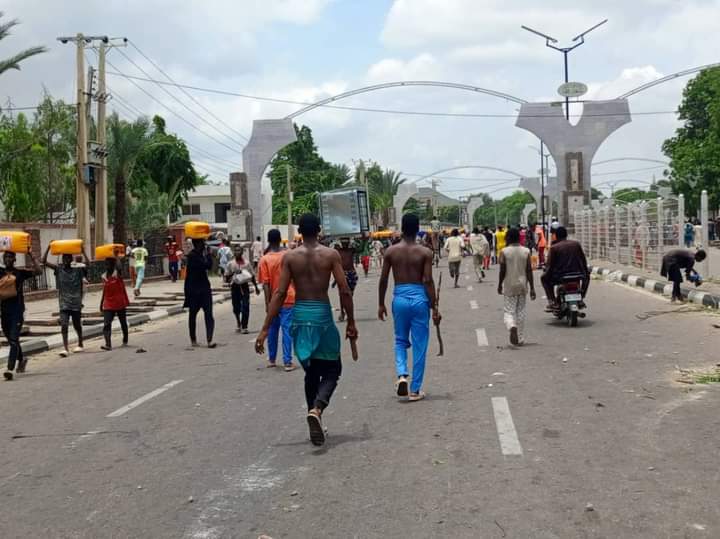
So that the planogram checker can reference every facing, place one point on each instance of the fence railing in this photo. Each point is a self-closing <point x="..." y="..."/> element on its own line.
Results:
<point x="640" y="233"/>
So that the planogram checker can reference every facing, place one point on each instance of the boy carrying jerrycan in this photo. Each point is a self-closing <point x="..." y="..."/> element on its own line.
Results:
<point x="12" y="300"/>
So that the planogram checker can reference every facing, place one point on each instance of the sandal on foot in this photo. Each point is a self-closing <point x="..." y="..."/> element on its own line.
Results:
<point x="290" y="367"/>
<point x="317" y="434"/>
<point x="270" y="365"/>
<point x="401" y="387"/>
<point x="414" y="397"/>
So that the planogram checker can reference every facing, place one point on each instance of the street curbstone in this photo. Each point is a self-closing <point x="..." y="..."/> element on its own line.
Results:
<point x="51" y="342"/>
<point x="694" y="296"/>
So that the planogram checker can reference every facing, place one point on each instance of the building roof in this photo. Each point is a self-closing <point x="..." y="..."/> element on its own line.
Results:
<point x="210" y="191"/>
<point x="427" y="193"/>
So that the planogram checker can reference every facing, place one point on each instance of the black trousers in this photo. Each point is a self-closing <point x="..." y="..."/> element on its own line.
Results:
<point x="241" y="304"/>
<point x="108" y="317"/>
<point x="675" y="276"/>
<point x="11" y="322"/>
<point x="76" y="317"/>
<point x="321" y="379"/>
<point x="207" y="309"/>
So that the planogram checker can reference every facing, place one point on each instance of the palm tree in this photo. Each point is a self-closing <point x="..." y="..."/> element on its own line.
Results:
<point x="14" y="61"/>
<point x="126" y="142"/>
<point x="382" y="189"/>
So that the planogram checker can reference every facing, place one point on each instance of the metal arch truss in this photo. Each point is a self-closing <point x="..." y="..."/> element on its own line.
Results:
<point x="666" y="79"/>
<point x="443" y="171"/>
<point x="643" y="159"/>
<point x="385" y="85"/>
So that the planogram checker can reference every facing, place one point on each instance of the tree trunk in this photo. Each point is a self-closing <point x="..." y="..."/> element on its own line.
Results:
<point x="119" y="228"/>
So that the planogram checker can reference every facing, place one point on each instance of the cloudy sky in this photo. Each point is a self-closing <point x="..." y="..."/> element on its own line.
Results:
<point x="305" y="50"/>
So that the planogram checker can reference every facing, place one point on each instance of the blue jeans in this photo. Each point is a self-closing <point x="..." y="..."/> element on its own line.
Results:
<point x="411" y="313"/>
<point x="284" y="320"/>
<point x="140" y="272"/>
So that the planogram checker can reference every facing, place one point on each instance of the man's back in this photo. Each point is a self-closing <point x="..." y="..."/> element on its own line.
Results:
<point x="408" y="262"/>
<point x="310" y="269"/>
<point x="567" y="257"/>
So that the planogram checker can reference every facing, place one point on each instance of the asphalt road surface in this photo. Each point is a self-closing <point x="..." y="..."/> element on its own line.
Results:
<point x="520" y="443"/>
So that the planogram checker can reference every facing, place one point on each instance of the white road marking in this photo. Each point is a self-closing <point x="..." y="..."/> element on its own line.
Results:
<point x="469" y="288"/>
<point x="482" y="339"/>
<point x="473" y="304"/>
<point x="509" y="443"/>
<point x="642" y="291"/>
<point x="144" y="398"/>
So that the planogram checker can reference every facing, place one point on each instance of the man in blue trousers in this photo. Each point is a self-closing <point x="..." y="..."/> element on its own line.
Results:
<point x="413" y="298"/>
<point x="269" y="275"/>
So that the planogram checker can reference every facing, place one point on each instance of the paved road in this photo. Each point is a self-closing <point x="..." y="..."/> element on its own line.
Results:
<point x="219" y="447"/>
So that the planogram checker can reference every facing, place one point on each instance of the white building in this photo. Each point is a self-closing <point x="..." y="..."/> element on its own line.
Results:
<point x="209" y="203"/>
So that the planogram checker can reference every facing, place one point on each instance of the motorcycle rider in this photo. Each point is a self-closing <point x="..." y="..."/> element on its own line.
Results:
<point x="566" y="257"/>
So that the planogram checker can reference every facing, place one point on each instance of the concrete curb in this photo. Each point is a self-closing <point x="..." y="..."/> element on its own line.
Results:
<point x="55" y="341"/>
<point x="663" y="288"/>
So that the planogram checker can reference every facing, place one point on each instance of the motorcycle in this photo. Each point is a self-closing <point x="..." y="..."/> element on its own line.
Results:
<point x="570" y="300"/>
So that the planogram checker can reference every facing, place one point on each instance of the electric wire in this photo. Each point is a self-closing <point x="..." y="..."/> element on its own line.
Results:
<point x="188" y="94"/>
<point x="175" y="98"/>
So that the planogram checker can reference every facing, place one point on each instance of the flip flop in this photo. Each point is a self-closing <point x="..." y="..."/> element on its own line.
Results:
<point x="270" y="365"/>
<point x="401" y="387"/>
<point x="290" y="368"/>
<point x="317" y="434"/>
<point x="414" y="397"/>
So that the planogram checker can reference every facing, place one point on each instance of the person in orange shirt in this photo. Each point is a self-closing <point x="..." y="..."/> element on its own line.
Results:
<point x="541" y="243"/>
<point x="269" y="275"/>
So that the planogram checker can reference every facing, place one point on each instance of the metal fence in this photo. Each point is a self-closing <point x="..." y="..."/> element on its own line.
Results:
<point x="638" y="234"/>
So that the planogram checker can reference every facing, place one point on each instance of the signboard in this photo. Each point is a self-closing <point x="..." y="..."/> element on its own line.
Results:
<point x="572" y="89"/>
<point x="344" y="212"/>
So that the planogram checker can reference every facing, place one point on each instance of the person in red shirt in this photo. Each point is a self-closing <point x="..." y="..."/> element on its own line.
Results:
<point x="172" y="248"/>
<point x="269" y="275"/>
<point x="114" y="302"/>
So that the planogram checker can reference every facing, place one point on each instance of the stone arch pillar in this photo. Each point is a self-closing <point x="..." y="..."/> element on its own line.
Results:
<point x="268" y="137"/>
<point x="473" y="204"/>
<point x="404" y="193"/>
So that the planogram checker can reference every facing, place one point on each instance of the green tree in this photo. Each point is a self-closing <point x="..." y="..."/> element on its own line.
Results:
<point x="21" y="170"/>
<point x="507" y="211"/>
<point x="126" y="143"/>
<point x="381" y="190"/>
<point x="310" y="174"/>
<point x="150" y="210"/>
<point x="694" y="151"/>
<point x="14" y="61"/>
<point x="627" y="195"/>
<point x="55" y="131"/>
<point x="165" y="162"/>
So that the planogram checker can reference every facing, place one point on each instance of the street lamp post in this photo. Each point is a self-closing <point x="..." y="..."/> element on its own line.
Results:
<point x="544" y="169"/>
<point x="550" y="42"/>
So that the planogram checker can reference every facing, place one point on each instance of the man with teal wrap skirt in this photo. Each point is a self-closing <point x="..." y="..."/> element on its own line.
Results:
<point x="413" y="298"/>
<point x="316" y="340"/>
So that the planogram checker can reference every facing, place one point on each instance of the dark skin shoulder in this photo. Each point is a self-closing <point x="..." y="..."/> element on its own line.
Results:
<point x="411" y="264"/>
<point x="309" y="268"/>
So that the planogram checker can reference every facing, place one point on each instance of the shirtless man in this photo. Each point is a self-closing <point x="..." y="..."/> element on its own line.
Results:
<point x="347" y="250"/>
<point x="315" y="338"/>
<point x="413" y="297"/>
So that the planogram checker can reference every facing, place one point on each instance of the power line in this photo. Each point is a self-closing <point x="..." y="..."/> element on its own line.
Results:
<point x="384" y="111"/>
<point x="130" y="79"/>
<point x="181" y="88"/>
<point x="172" y="96"/>
<point x="208" y="156"/>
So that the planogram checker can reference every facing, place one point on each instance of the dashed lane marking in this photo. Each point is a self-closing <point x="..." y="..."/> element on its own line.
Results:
<point x="144" y="398"/>
<point x="509" y="442"/>
<point x="473" y="304"/>
<point x="482" y="339"/>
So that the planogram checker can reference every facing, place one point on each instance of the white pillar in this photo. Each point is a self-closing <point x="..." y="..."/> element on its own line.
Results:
<point x="660" y="230"/>
<point x="616" y="210"/>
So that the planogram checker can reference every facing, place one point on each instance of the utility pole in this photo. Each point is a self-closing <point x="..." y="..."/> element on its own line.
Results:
<point x="83" y="176"/>
<point x="101" y="220"/>
<point x="87" y="172"/>
<point x="288" y="171"/>
<point x="434" y="184"/>
<point x="82" y="194"/>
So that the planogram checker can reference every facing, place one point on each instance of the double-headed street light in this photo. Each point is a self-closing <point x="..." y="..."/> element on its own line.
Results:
<point x="544" y="170"/>
<point x="550" y="42"/>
